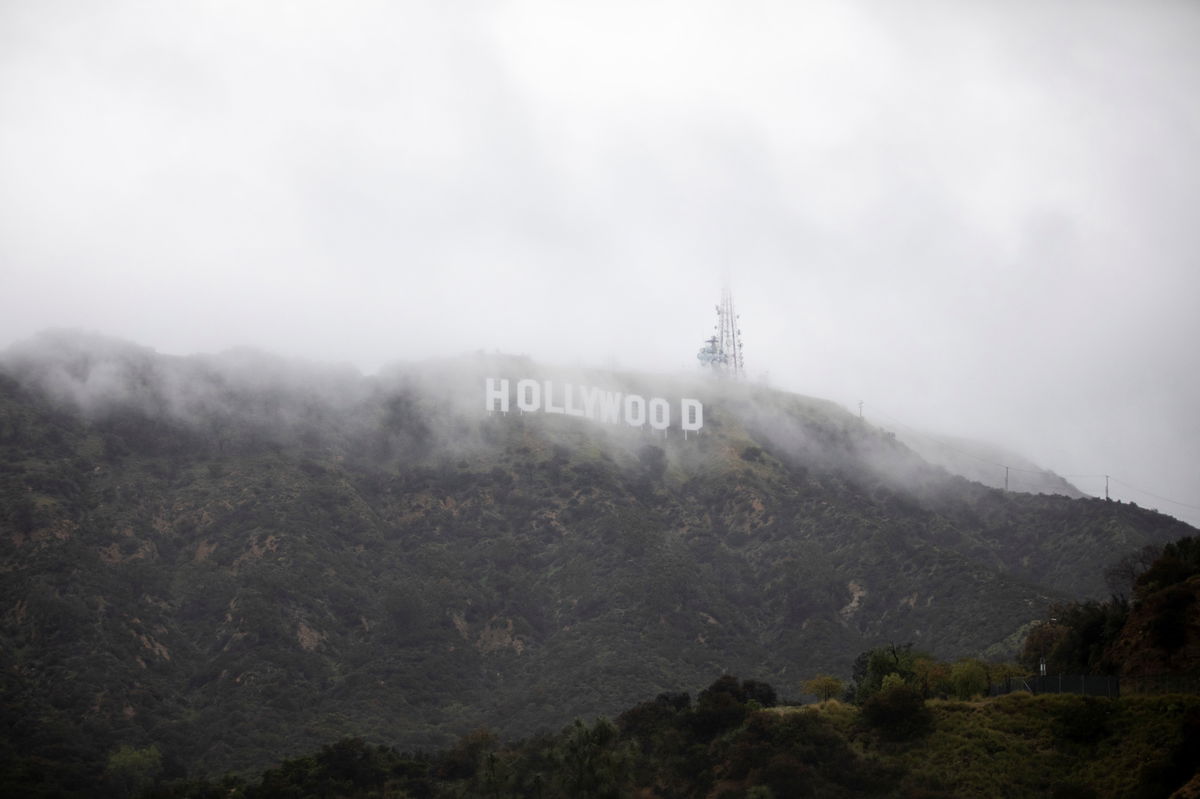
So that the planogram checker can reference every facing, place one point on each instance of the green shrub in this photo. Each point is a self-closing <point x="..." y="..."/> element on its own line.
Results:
<point x="1085" y="721"/>
<point x="897" y="712"/>
<point x="969" y="678"/>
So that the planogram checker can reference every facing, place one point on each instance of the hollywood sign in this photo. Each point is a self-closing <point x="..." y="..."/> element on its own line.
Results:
<point x="589" y="402"/>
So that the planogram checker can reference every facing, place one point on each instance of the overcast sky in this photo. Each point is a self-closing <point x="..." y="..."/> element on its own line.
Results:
<point x="979" y="218"/>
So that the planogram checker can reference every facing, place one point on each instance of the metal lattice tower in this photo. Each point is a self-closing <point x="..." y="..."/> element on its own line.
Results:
<point x="723" y="351"/>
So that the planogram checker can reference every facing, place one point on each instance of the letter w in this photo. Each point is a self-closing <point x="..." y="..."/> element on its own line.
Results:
<point x="610" y="407"/>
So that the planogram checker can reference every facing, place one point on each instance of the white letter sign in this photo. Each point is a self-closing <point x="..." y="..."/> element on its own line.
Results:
<point x="589" y="402"/>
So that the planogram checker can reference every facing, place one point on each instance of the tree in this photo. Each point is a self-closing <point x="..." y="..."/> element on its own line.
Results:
<point x="131" y="771"/>
<point x="999" y="672"/>
<point x="716" y="712"/>
<point x="465" y="757"/>
<point x="872" y="666"/>
<point x="760" y="692"/>
<point x="724" y="704"/>
<point x="897" y="711"/>
<point x="931" y="677"/>
<point x="593" y="762"/>
<point x="1179" y="561"/>
<point x="969" y="678"/>
<point x="1076" y="640"/>
<point x="1122" y="576"/>
<point x="823" y="686"/>
<point x="1041" y="641"/>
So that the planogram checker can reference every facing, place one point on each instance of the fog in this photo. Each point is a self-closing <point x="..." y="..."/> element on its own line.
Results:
<point x="976" y="218"/>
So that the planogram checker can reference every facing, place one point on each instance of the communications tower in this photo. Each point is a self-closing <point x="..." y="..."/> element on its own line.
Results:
<point x="723" y="351"/>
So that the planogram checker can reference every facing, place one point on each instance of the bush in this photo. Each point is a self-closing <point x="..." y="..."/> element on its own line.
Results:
<point x="823" y="686"/>
<point x="969" y="678"/>
<point x="785" y="775"/>
<point x="1085" y="721"/>
<point x="715" y="713"/>
<point x="759" y="692"/>
<point x="131" y="771"/>
<point x="897" y="712"/>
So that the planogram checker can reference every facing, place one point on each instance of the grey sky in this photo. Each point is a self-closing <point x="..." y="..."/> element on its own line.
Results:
<point x="977" y="217"/>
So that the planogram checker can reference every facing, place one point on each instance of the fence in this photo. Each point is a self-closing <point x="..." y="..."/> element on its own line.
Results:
<point x="1087" y="684"/>
<point x="1100" y="685"/>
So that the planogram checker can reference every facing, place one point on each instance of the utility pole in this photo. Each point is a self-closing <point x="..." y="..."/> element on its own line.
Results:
<point x="1006" y="478"/>
<point x="860" y="409"/>
<point x="1106" y="499"/>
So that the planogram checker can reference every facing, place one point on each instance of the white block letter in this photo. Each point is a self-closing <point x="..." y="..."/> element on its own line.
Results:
<point x="493" y="392"/>
<point x="529" y="395"/>
<point x="610" y="408"/>
<point x="635" y="410"/>
<point x="568" y="395"/>
<point x="550" y="406"/>
<point x="591" y="402"/>
<point x="660" y="413"/>
<point x="691" y="414"/>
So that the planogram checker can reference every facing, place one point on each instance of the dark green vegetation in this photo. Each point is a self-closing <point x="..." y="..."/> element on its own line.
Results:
<point x="1151" y="639"/>
<point x="725" y="745"/>
<point x="235" y="559"/>
<point x="734" y="742"/>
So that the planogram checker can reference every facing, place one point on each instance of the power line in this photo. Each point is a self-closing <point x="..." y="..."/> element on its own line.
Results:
<point x="1156" y="496"/>
<point x="1044" y="472"/>
<point x="981" y="459"/>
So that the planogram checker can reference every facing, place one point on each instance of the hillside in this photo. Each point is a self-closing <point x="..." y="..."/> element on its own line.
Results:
<point x="985" y="463"/>
<point x="236" y="557"/>
<point x="1015" y="746"/>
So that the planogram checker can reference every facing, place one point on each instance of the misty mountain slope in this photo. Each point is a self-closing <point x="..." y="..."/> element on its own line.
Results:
<point x="981" y="462"/>
<point x="237" y="557"/>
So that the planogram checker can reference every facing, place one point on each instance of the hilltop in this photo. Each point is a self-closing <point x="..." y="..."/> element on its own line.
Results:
<point x="239" y="557"/>
<point x="987" y="464"/>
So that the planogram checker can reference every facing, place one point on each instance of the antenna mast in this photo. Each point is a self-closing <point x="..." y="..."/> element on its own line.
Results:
<point x="723" y="351"/>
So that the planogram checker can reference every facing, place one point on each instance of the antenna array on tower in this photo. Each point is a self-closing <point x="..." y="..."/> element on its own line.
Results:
<point x="723" y="351"/>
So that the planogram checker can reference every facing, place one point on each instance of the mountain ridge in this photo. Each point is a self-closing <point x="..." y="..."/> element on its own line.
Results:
<point x="243" y="558"/>
<point x="991" y="465"/>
